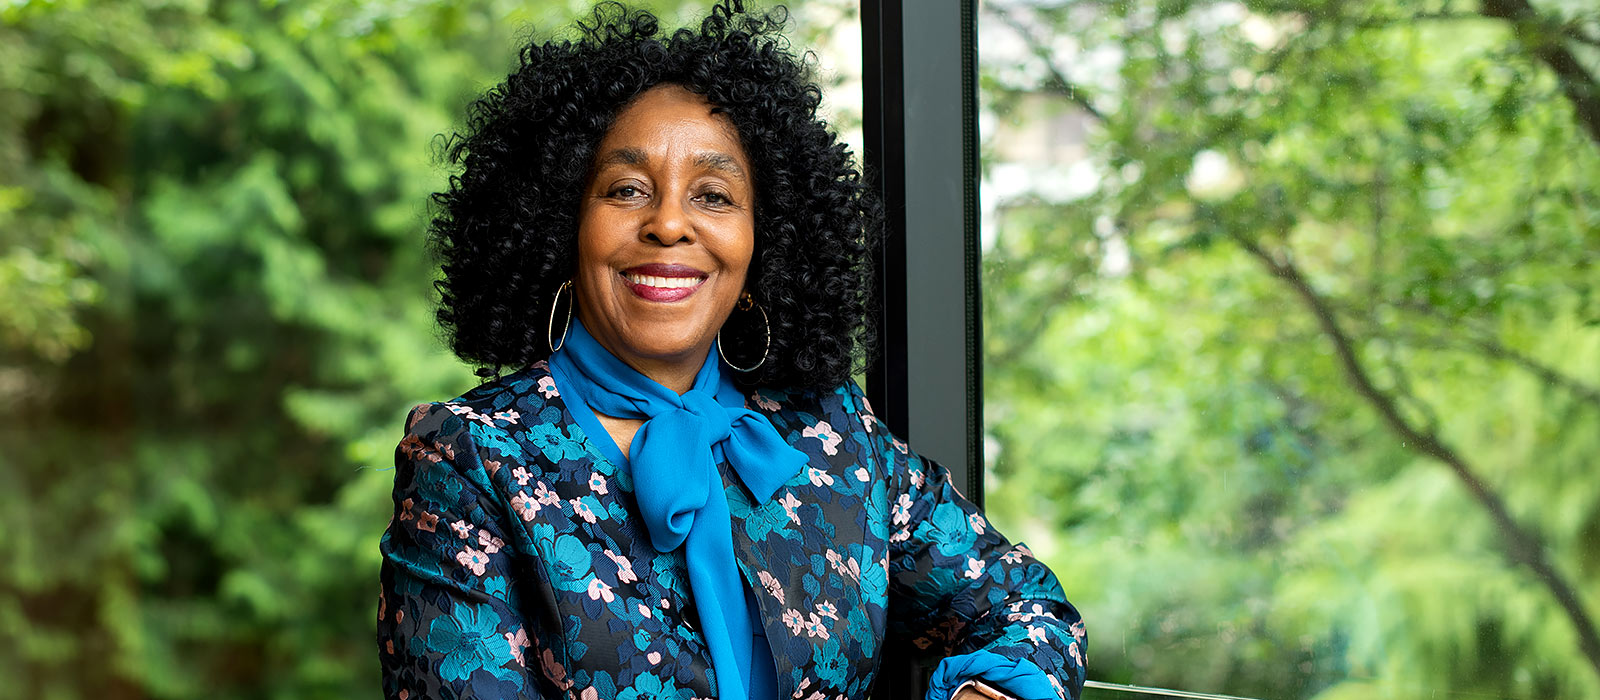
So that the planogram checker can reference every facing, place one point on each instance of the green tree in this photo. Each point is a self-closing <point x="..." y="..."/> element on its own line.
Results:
<point x="1297" y="363"/>
<point x="219" y="309"/>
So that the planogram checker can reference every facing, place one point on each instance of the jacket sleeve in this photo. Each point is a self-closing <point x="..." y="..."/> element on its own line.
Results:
<point x="449" y="621"/>
<point x="958" y="586"/>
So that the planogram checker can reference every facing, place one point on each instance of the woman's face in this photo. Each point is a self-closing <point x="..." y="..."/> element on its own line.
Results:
<point x="666" y="230"/>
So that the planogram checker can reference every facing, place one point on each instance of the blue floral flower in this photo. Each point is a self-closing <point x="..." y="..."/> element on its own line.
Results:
<point x="948" y="529"/>
<point x="495" y="439"/>
<point x="650" y="687"/>
<point x="569" y="562"/>
<point x="469" y="640"/>
<point x="555" y="444"/>
<point x="831" y="664"/>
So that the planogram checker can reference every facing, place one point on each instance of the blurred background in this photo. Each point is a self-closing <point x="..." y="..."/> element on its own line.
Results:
<point x="1292" y="330"/>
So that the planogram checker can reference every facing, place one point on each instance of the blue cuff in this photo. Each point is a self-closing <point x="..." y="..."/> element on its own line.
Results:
<point x="1020" y="679"/>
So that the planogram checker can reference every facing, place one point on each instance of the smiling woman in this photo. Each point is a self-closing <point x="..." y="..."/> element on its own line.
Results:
<point x="665" y="234"/>
<point x="630" y="512"/>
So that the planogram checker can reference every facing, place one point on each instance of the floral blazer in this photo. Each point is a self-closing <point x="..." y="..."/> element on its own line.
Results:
<point x="516" y="564"/>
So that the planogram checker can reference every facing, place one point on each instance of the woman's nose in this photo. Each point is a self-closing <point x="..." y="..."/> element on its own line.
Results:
<point x="669" y="223"/>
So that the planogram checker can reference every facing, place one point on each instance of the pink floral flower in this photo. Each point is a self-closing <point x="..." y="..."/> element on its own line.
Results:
<point x="826" y="609"/>
<point x="653" y="657"/>
<point x="976" y="521"/>
<point x="518" y="641"/>
<point x="868" y="420"/>
<point x="917" y="479"/>
<point x="1076" y="653"/>
<point x="816" y="628"/>
<point x="1077" y="630"/>
<point x="509" y="415"/>
<point x="862" y="475"/>
<point x="770" y="582"/>
<point x="582" y="511"/>
<point x="521" y="475"/>
<point x="473" y="559"/>
<point x="900" y="535"/>
<point x="624" y="568"/>
<point x="824" y="432"/>
<point x="458" y="409"/>
<point x="427" y="521"/>
<point x="1036" y="634"/>
<point x="525" y="506"/>
<point x="405" y="510"/>
<point x="974" y="568"/>
<point x="819" y="477"/>
<point x="547" y="387"/>
<point x="597" y="483"/>
<point x="645" y="611"/>
<point x="544" y="494"/>
<point x="794" y="621"/>
<point x="598" y="590"/>
<point x="489" y="543"/>
<point x="790" y="503"/>
<point x="901" y="513"/>
<point x="765" y="403"/>
<point x="1011" y="557"/>
<point x="462" y="529"/>
<point x="900" y="446"/>
<point x="554" y="671"/>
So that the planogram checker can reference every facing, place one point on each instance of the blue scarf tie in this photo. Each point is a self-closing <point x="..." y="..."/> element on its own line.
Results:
<point x="673" y="461"/>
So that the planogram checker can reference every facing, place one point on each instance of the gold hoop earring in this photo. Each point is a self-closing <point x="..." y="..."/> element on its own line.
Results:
<point x="550" y="329"/>
<point x="745" y="304"/>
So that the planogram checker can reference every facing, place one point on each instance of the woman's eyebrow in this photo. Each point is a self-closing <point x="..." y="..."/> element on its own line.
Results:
<point x="720" y="162"/>
<point x="624" y="156"/>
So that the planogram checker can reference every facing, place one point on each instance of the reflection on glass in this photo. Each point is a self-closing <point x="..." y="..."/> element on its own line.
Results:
<point x="1292" y="338"/>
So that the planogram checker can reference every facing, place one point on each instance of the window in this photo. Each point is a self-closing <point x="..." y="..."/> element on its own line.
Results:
<point x="1291" y="338"/>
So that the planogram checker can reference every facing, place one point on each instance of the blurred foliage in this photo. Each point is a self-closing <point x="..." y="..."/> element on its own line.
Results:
<point x="219" y="308"/>
<point x="1169" y="417"/>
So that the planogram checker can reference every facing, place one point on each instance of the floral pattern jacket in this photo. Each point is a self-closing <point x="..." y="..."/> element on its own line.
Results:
<point x="516" y="566"/>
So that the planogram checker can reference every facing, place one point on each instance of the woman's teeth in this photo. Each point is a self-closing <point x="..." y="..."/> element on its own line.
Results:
<point x="664" y="282"/>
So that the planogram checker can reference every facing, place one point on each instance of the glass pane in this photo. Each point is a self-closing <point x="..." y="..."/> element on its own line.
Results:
<point x="1292" y="338"/>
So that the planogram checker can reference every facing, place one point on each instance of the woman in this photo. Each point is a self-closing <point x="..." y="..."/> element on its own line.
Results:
<point x="679" y="493"/>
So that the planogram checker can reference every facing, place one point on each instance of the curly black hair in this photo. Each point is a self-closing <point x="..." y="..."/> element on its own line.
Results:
<point x="506" y="229"/>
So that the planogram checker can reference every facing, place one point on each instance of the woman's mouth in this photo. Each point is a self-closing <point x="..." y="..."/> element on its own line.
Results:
<point x="663" y="283"/>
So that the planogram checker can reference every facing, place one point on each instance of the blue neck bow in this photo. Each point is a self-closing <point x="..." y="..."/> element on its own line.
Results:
<point x="673" y="460"/>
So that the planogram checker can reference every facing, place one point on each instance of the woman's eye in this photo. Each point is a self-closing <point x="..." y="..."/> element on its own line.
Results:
<point x="625" y="192"/>
<point x="714" y="198"/>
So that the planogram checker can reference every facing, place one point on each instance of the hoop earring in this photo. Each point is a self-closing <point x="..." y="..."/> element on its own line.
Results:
<point x="550" y="329"/>
<point x="745" y="304"/>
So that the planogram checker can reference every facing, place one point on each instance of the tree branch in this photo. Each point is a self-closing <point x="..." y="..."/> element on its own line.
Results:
<point x="1522" y="546"/>
<point x="1058" y="80"/>
<point x="1579" y="86"/>
<point x="1496" y="350"/>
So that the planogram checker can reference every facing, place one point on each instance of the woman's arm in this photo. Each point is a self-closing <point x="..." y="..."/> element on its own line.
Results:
<point x="960" y="587"/>
<point x="449" y="621"/>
